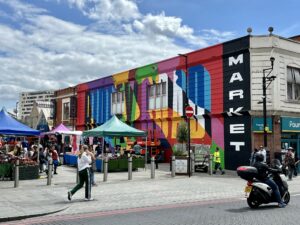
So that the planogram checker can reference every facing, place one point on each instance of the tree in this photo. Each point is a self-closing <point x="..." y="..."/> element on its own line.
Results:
<point x="182" y="134"/>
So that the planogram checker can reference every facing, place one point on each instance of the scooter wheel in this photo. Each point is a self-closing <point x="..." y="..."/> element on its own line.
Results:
<point x="286" y="197"/>
<point x="252" y="202"/>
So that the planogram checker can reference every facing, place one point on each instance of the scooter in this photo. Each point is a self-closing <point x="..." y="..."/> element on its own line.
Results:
<point x="258" y="193"/>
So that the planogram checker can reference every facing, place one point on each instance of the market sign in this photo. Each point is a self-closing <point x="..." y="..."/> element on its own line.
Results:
<point x="290" y="124"/>
<point x="258" y="125"/>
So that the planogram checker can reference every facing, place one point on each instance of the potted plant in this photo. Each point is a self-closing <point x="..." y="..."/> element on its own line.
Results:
<point x="182" y="135"/>
<point x="180" y="150"/>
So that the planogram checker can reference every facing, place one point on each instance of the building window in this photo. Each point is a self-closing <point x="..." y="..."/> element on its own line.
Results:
<point x="66" y="109"/>
<point x="158" y="96"/>
<point x="293" y="83"/>
<point x="117" y="103"/>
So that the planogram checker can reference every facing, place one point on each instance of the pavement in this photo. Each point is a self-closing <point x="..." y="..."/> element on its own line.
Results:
<point x="36" y="198"/>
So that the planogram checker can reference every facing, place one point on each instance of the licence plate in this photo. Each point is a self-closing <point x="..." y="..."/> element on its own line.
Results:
<point x="248" y="189"/>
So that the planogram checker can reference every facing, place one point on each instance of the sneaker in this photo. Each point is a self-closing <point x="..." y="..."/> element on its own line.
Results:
<point x="69" y="195"/>
<point x="94" y="184"/>
<point x="281" y="205"/>
<point x="88" y="199"/>
<point x="223" y="172"/>
<point x="214" y="172"/>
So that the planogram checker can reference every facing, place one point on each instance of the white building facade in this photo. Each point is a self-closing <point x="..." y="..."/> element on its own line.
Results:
<point x="27" y="99"/>
<point x="283" y="93"/>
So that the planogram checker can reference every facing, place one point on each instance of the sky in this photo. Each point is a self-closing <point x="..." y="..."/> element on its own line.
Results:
<point x="55" y="44"/>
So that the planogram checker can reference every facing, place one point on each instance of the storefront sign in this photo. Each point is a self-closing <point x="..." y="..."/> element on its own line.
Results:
<point x="290" y="124"/>
<point x="237" y="103"/>
<point x="258" y="125"/>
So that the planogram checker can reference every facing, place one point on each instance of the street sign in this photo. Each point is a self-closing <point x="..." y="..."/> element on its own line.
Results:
<point x="189" y="111"/>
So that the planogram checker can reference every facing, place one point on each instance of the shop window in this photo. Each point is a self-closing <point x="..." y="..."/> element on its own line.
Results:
<point x="66" y="110"/>
<point x="157" y="96"/>
<point x="293" y="83"/>
<point x="117" y="103"/>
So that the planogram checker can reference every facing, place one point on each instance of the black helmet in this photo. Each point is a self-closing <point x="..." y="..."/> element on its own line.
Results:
<point x="259" y="157"/>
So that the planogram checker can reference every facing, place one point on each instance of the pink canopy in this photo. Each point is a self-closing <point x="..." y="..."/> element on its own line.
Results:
<point x="62" y="129"/>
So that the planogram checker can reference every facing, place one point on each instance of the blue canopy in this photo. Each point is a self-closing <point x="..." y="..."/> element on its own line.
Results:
<point x="10" y="126"/>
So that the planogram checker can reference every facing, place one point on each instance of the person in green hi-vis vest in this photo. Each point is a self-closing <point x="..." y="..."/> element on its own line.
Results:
<point x="217" y="161"/>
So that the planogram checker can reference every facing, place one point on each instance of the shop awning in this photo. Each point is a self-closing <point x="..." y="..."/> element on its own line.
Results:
<point x="10" y="126"/>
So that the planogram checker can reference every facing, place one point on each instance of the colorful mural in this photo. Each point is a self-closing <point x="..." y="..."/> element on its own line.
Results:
<point x="218" y="90"/>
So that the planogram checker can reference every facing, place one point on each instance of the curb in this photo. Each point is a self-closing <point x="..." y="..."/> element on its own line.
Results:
<point x="8" y="219"/>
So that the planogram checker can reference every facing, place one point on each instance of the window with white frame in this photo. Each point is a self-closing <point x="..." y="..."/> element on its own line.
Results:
<point x="158" y="96"/>
<point x="117" y="103"/>
<point x="66" y="109"/>
<point x="293" y="83"/>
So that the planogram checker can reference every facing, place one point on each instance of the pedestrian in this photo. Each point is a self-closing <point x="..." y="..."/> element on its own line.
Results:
<point x="217" y="161"/>
<point x="296" y="163"/>
<point x="43" y="160"/>
<point x="34" y="153"/>
<point x="137" y="148"/>
<point x="263" y="151"/>
<point x="54" y="156"/>
<point x="91" y="150"/>
<point x="289" y="161"/>
<point x="98" y="149"/>
<point x="83" y="163"/>
<point x="253" y="156"/>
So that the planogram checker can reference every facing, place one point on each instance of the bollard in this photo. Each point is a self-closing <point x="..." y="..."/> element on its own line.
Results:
<point x="50" y="164"/>
<point x="152" y="168"/>
<point x="17" y="174"/>
<point x="192" y="164"/>
<point x="105" y="169"/>
<point x="130" y="168"/>
<point x="77" y="174"/>
<point x="210" y="168"/>
<point x="173" y="166"/>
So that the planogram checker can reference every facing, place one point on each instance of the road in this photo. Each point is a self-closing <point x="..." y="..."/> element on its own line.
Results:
<point x="224" y="212"/>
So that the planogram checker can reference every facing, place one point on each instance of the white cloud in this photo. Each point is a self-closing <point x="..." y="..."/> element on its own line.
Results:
<point x="107" y="10"/>
<point x="45" y="52"/>
<point x="213" y="36"/>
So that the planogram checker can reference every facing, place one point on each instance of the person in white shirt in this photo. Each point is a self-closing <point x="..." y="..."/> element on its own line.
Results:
<point x="263" y="151"/>
<point x="83" y="163"/>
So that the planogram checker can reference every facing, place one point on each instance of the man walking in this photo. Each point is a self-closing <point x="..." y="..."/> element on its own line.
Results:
<point x="217" y="161"/>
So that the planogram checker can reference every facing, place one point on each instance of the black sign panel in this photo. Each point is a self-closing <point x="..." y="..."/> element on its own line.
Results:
<point x="237" y="102"/>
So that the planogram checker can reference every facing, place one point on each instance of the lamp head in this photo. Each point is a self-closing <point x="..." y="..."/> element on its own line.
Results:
<point x="272" y="59"/>
<point x="270" y="29"/>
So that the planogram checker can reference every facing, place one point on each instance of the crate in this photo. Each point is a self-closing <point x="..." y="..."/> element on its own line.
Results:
<point x="27" y="172"/>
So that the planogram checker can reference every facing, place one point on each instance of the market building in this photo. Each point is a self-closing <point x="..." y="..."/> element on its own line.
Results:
<point x="224" y="87"/>
<point x="65" y="107"/>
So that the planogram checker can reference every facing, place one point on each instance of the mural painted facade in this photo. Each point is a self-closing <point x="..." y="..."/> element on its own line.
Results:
<point x="152" y="98"/>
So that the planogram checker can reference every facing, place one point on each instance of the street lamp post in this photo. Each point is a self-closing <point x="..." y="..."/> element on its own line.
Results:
<point x="265" y="86"/>
<point x="187" y="118"/>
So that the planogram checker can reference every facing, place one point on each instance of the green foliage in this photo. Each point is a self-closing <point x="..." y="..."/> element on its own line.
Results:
<point x="182" y="133"/>
<point x="179" y="151"/>
<point x="181" y="137"/>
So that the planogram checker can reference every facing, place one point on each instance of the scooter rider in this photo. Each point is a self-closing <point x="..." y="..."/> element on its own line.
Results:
<point x="263" y="170"/>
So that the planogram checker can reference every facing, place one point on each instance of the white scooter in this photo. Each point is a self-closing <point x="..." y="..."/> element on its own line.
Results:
<point x="258" y="193"/>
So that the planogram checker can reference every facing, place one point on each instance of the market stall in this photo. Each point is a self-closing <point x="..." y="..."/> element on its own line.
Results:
<point x="116" y="128"/>
<point x="69" y="158"/>
<point x="10" y="127"/>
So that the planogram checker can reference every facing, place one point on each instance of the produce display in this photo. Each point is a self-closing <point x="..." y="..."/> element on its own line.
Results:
<point x="8" y="158"/>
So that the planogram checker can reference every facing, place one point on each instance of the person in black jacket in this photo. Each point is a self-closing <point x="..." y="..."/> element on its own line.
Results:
<point x="263" y="171"/>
